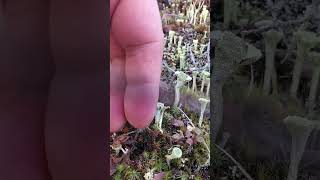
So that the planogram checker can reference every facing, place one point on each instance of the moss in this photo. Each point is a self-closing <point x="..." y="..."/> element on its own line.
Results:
<point x="132" y="174"/>
<point x="218" y="159"/>
<point x="126" y="172"/>
<point x="270" y="171"/>
<point x="168" y="175"/>
<point x="199" y="155"/>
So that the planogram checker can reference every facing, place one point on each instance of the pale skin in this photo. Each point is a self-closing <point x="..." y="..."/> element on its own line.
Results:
<point x="136" y="45"/>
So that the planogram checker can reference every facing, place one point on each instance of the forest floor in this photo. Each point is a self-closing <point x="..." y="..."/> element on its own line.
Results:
<point x="146" y="153"/>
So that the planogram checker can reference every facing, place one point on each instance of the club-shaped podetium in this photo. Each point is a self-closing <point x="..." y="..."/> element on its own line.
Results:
<point x="182" y="78"/>
<point x="231" y="52"/>
<point x="159" y="115"/>
<point x="176" y="153"/>
<point x="271" y="39"/>
<point x="305" y="42"/>
<point x="195" y="44"/>
<point x="208" y="86"/>
<point x="194" y="80"/>
<point x="204" y="75"/>
<point x="171" y="36"/>
<point x="315" y="58"/>
<point x="149" y="175"/>
<point x="300" y="129"/>
<point x="203" y="103"/>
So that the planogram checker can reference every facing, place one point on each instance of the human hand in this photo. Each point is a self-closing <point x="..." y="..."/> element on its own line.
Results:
<point x="136" y="45"/>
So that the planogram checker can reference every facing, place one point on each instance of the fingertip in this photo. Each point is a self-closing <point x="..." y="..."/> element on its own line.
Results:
<point x="140" y="104"/>
<point x="117" y="119"/>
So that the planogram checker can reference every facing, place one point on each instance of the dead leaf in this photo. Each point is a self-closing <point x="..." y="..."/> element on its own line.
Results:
<point x="116" y="160"/>
<point x="159" y="176"/>
<point x="200" y="139"/>
<point x="189" y="141"/>
<point x="177" y="136"/>
<point x="113" y="168"/>
<point x="177" y="123"/>
<point x="188" y="134"/>
<point x="122" y="138"/>
<point x="197" y="131"/>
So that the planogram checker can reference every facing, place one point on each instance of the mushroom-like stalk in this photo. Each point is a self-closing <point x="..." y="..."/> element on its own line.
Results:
<point x="165" y="40"/>
<point x="253" y="54"/>
<point x="171" y="35"/>
<point x="305" y="42"/>
<point x="117" y="148"/>
<point x="190" y="12"/>
<point x="175" y="154"/>
<point x="175" y="39"/>
<point x="194" y="80"/>
<point x="230" y="12"/>
<point x="203" y="103"/>
<point x="300" y="129"/>
<point x="204" y="76"/>
<point x="149" y="175"/>
<point x="182" y="58"/>
<point x="184" y="49"/>
<point x="202" y="47"/>
<point x="315" y="57"/>
<point x="182" y="78"/>
<point x="231" y="52"/>
<point x="205" y="34"/>
<point x="180" y="41"/>
<point x="271" y="39"/>
<point x="159" y="115"/>
<point x="195" y="46"/>
<point x="204" y="14"/>
<point x="179" y="22"/>
<point x="196" y="14"/>
<point x="208" y="86"/>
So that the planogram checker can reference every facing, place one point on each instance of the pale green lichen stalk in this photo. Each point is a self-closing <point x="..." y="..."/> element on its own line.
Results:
<point x="271" y="39"/>
<point x="204" y="75"/>
<point x="315" y="57"/>
<point x="231" y="52"/>
<point x="208" y="86"/>
<point x="149" y="175"/>
<point x="159" y="115"/>
<point x="204" y="15"/>
<point x="176" y="153"/>
<point x="182" y="78"/>
<point x="195" y="46"/>
<point x="300" y="129"/>
<point x="171" y="36"/>
<point x="194" y="80"/>
<point x="231" y="10"/>
<point x="117" y="148"/>
<point x="305" y="42"/>
<point x="180" y="41"/>
<point x="203" y="105"/>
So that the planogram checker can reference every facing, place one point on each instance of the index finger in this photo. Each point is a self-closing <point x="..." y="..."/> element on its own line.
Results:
<point x="137" y="27"/>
